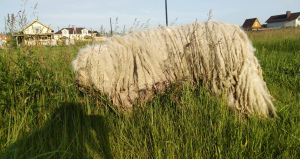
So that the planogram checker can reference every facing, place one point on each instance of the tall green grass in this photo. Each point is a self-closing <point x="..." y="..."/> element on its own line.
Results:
<point x="44" y="115"/>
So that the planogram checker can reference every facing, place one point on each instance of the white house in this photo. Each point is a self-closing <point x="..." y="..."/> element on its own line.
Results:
<point x="284" y="20"/>
<point x="36" y="33"/>
<point x="73" y="34"/>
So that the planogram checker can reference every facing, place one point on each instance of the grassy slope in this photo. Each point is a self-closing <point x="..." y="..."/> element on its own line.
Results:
<point x="44" y="115"/>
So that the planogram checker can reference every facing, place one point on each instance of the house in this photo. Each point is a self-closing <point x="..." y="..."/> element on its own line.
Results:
<point x="36" y="33"/>
<point x="3" y="40"/>
<point x="73" y="34"/>
<point x="3" y="37"/>
<point x="284" y="20"/>
<point x="251" y="24"/>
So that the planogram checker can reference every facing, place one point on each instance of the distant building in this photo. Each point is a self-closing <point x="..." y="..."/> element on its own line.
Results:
<point x="3" y="40"/>
<point x="284" y="20"/>
<point x="35" y="33"/>
<point x="3" y="37"/>
<point x="251" y="24"/>
<point x="73" y="34"/>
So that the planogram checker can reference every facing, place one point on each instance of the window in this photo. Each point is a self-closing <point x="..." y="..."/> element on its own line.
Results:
<point x="37" y="29"/>
<point x="84" y="32"/>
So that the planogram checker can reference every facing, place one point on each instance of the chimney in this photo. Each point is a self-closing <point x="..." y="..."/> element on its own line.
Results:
<point x="288" y="14"/>
<point x="74" y="29"/>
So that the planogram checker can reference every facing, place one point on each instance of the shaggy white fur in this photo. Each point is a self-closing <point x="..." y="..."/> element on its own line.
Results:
<point x="139" y="64"/>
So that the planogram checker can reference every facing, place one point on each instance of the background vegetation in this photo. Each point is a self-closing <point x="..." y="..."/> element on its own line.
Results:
<point x="44" y="115"/>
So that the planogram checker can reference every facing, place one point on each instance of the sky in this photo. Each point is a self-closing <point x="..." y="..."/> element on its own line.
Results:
<point x="91" y="14"/>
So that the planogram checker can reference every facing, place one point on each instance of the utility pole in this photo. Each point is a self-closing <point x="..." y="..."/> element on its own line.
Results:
<point x="111" y="32"/>
<point x="166" y="12"/>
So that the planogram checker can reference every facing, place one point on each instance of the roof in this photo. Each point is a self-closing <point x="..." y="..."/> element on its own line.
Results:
<point x="283" y="17"/>
<point x="39" y="23"/>
<point x="249" y="23"/>
<point x="72" y="30"/>
<point x="3" y="37"/>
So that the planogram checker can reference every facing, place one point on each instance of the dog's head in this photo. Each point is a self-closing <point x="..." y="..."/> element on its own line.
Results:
<point x="80" y="66"/>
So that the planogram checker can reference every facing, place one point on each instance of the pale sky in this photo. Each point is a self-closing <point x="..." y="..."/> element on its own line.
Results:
<point x="91" y="14"/>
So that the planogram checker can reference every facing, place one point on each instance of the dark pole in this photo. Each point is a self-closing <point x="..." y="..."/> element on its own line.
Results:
<point x="111" y="32"/>
<point x="166" y="12"/>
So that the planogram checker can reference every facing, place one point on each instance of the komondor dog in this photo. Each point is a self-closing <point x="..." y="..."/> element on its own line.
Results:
<point x="137" y="65"/>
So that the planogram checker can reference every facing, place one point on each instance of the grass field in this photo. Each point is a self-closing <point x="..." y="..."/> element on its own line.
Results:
<point x="44" y="115"/>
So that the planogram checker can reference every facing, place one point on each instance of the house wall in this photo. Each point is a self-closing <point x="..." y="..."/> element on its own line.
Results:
<point x="282" y="24"/>
<point x="36" y="28"/>
<point x="298" y="21"/>
<point x="79" y="36"/>
<point x="69" y="36"/>
<point x="256" y="24"/>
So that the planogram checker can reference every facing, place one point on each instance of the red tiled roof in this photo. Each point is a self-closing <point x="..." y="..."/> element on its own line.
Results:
<point x="3" y="37"/>
<point x="283" y="17"/>
<point x="72" y="31"/>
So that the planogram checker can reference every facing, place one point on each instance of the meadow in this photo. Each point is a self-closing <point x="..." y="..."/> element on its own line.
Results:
<point x="43" y="114"/>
